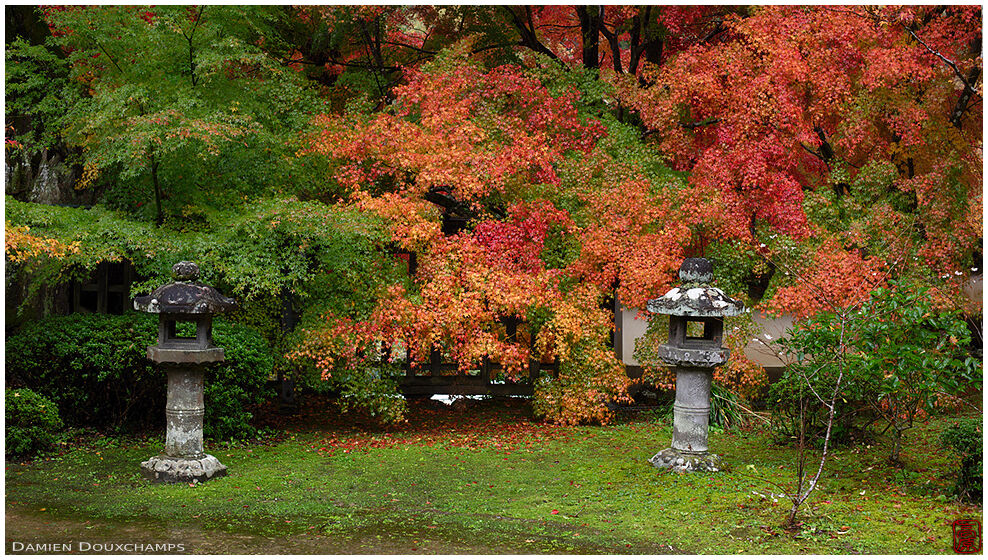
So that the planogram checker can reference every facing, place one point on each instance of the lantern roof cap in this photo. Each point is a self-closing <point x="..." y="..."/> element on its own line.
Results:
<point x="185" y="295"/>
<point x="696" y="297"/>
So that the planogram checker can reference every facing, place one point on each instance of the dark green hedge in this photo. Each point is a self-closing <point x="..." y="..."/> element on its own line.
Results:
<point x="32" y="422"/>
<point x="95" y="368"/>
<point x="966" y="440"/>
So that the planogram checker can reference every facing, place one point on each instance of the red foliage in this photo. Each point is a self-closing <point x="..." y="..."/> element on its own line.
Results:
<point x="834" y="279"/>
<point x="796" y="100"/>
<point x="517" y="244"/>
<point x="467" y="130"/>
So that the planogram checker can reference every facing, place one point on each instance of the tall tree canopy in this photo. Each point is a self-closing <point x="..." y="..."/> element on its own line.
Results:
<point x="529" y="162"/>
<point x="183" y="103"/>
<point x="838" y="125"/>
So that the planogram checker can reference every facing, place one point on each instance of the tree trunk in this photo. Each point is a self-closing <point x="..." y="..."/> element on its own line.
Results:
<point x="653" y="48"/>
<point x="159" y="218"/>
<point x="896" y="451"/>
<point x="590" y="31"/>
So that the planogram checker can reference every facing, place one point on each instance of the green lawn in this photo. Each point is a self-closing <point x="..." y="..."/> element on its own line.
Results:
<point x="489" y="480"/>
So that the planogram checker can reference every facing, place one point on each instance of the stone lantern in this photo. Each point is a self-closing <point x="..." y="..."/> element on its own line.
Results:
<point x="183" y="358"/>
<point x="696" y="330"/>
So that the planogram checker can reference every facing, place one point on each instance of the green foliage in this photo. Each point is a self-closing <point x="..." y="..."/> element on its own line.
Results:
<point x="332" y="258"/>
<point x="207" y="121"/>
<point x="795" y="408"/>
<point x="736" y="264"/>
<point x="967" y="441"/>
<point x="236" y="383"/>
<point x="38" y="94"/>
<point x="897" y="357"/>
<point x="910" y="355"/>
<point x="95" y="368"/>
<point x="324" y="258"/>
<point x="31" y="422"/>
<point x="371" y="388"/>
<point x="103" y="235"/>
<point x="560" y="249"/>
<point x="595" y="94"/>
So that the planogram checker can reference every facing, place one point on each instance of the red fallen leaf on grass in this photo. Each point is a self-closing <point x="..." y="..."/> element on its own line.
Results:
<point x="555" y="512"/>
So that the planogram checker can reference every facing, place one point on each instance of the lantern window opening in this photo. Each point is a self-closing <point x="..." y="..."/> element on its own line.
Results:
<point x="695" y="332"/>
<point x="184" y="331"/>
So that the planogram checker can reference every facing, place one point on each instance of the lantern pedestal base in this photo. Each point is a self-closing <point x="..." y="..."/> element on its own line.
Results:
<point x="681" y="461"/>
<point x="162" y="468"/>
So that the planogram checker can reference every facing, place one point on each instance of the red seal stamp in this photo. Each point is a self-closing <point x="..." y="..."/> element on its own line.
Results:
<point x="967" y="536"/>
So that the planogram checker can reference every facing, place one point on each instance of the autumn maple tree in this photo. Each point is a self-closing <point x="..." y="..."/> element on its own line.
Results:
<point x="530" y="164"/>
<point x="531" y="156"/>
<point x="483" y="139"/>
<point x="833" y="127"/>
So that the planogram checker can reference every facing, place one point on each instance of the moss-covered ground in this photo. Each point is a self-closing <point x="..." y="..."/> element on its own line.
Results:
<point x="487" y="480"/>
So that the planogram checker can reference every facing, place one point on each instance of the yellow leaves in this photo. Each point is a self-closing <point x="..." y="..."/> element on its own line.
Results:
<point x="587" y="379"/>
<point x="21" y="246"/>
<point x="90" y="173"/>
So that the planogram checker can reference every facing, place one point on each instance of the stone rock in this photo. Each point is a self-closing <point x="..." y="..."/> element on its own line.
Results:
<point x="679" y="461"/>
<point x="166" y="469"/>
<point x="695" y="298"/>
<point x="696" y="270"/>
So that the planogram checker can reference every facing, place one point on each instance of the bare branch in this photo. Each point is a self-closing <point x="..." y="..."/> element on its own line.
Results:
<point x="409" y="47"/>
<point x="699" y="124"/>
<point x="528" y="36"/>
<point x="947" y="61"/>
<point x="117" y="66"/>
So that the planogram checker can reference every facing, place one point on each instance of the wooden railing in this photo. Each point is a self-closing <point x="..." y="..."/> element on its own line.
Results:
<point x="438" y="377"/>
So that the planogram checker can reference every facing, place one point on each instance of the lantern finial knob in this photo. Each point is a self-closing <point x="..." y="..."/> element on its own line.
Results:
<point x="696" y="270"/>
<point x="185" y="271"/>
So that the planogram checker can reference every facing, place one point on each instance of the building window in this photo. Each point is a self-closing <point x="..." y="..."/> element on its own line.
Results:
<point x="106" y="291"/>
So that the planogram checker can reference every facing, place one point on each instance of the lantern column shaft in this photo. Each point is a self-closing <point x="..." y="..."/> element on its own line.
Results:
<point x="691" y="411"/>
<point x="184" y="412"/>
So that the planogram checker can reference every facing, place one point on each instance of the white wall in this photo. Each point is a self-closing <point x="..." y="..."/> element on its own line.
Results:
<point x="628" y="328"/>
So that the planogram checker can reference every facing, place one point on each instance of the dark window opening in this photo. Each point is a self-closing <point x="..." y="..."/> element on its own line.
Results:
<point x="107" y="290"/>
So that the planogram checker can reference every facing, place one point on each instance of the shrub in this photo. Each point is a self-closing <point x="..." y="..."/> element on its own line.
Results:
<point x="237" y="382"/>
<point x="792" y="403"/>
<point x="965" y="438"/>
<point x="95" y="368"/>
<point x="898" y="356"/>
<point x="31" y="422"/>
<point x="371" y="388"/>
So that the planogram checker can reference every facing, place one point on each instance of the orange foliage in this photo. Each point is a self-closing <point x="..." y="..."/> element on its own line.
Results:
<point x="834" y="278"/>
<point x="466" y="130"/>
<point x="21" y="246"/>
